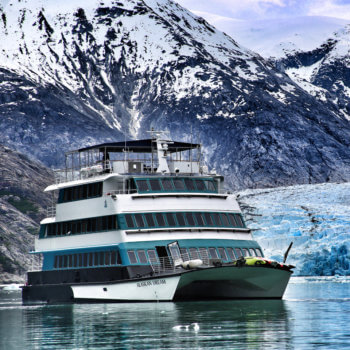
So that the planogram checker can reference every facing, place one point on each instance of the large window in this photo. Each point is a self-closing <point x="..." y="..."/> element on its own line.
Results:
<point x="179" y="219"/>
<point x="176" y="184"/>
<point x="80" y="192"/>
<point x="132" y="257"/>
<point x="98" y="224"/>
<point x="92" y="259"/>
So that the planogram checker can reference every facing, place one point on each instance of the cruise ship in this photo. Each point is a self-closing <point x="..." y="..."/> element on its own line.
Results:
<point x="145" y="220"/>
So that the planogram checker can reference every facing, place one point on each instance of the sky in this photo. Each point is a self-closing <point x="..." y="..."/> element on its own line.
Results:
<point x="268" y="9"/>
<point x="264" y="9"/>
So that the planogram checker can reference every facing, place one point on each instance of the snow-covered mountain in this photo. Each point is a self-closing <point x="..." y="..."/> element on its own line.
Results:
<point x="325" y="71"/>
<point x="316" y="218"/>
<point x="277" y="37"/>
<point x="74" y="73"/>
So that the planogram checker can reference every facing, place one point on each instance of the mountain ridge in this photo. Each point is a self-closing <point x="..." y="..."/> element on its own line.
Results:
<point x="123" y="67"/>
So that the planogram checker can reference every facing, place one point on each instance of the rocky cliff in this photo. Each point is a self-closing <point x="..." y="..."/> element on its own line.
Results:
<point x="22" y="205"/>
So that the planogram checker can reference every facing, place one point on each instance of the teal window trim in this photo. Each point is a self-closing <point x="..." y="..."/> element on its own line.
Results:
<point x="132" y="257"/>
<point x="190" y="180"/>
<point x="80" y="192"/>
<point x="141" y="255"/>
<point x="78" y="260"/>
<point x="83" y="226"/>
<point x="178" y="217"/>
<point x="238" y="252"/>
<point x="213" y="253"/>
<point x="137" y="221"/>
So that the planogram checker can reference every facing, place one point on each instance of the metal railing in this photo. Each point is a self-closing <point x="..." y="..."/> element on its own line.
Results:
<point x="168" y="264"/>
<point x="51" y="212"/>
<point x="116" y="192"/>
<point x="100" y="168"/>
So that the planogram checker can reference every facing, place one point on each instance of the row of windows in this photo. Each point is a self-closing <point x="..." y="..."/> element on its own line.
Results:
<point x="226" y="254"/>
<point x="112" y="258"/>
<point x="140" y="221"/>
<point x="187" y="219"/>
<point x="80" y="192"/>
<point x="107" y="258"/>
<point x="97" y="224"/>
<point x="176" y="184"/>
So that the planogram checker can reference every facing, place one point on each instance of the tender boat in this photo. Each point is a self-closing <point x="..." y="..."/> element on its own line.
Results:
<point x="146" y="221"/>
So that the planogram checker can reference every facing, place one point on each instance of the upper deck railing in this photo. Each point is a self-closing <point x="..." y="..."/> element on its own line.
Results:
<point x="125" y="167"/>
<point x="150" y="156"/>
<point x="167" y="264"/>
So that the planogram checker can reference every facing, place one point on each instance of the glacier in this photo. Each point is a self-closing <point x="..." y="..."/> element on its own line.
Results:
<point x="316" y="218"/>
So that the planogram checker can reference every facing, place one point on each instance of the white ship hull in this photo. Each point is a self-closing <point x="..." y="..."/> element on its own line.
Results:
<point x="155" y="289"/>
<point x="227" y="282"/>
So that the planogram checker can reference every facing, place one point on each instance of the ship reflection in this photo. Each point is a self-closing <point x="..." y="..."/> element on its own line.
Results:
<point x="211" y="324"/>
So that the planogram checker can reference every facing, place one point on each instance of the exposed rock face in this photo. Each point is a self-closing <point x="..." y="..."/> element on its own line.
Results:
<point x="91" y="72"/>
<point x="324" y="71"/>
<point x="22" y="205"/>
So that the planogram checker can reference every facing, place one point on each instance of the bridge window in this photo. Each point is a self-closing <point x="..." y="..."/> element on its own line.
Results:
<point x="167" y="184"/>
<point x="142" y="185"/>
<point x="155" y="185"/>
<point x="189" y="184"/>
<point x="81" y="192"/>
<point x="210" y="185"/>
<point x="179" y="184"/>
<point x="200" y="185"/>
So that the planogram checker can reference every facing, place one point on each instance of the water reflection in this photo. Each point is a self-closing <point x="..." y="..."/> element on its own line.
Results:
<point x="312" y="316"/>
<point x="230" y="324"/>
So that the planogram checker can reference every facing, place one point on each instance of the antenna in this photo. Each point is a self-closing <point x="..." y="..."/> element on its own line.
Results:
<point x="287" y="252"/>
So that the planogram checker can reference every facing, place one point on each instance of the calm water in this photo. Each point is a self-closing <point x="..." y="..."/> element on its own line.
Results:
<point x="314" y="314"/>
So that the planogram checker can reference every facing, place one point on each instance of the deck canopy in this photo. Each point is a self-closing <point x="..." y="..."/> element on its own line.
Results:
<point x="140" y="146"/>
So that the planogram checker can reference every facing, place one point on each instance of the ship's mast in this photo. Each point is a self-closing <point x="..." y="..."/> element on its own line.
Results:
<point x="162" y="148"/>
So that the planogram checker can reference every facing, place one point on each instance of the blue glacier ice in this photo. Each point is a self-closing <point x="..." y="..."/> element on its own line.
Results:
<point x="316" y="218"/>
